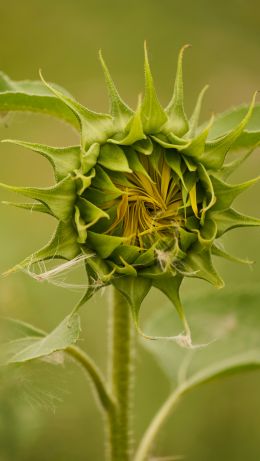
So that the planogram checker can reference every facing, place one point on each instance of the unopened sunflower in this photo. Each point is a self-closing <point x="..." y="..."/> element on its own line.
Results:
<point x="144" y="194"/>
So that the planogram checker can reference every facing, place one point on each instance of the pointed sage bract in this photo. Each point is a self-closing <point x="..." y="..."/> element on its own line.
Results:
<point x="144" y="195"/>
<point x="177" y="119"/>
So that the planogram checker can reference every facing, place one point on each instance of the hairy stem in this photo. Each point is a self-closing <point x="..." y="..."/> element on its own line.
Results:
<point x="120" y="375"/>
<point x="95" y="375"/>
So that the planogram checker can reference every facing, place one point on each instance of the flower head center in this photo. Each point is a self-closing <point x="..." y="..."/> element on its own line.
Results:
<point x="149" y="207"/>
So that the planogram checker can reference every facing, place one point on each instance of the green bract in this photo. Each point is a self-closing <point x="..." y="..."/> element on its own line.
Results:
<point x="144" y="195"/>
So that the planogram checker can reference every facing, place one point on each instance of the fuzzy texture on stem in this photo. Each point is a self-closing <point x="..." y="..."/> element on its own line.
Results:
<point x="121" y="350"/>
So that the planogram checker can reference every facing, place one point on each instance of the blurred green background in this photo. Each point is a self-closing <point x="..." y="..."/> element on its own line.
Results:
<point x="48" y="412"/>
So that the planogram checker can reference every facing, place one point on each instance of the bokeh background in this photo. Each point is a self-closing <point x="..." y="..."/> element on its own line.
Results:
<point x="47" y="412"/>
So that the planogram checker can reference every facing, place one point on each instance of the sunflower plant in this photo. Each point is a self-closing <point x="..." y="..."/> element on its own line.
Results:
<point x="143" y="200"/>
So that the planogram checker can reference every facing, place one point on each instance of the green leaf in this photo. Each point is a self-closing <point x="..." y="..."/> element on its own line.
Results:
<point x="227" y="323"/>
<point x="228" y="342"/>
<point x="153" y="115"/>
<point x="35" y="87"/>
<point x="227" y="122"/>
<point x="48" y="105"/>
<point x="228" y="168"/>
<point x="229" y="119"/>
<point x="63" y="159"/>
<point x="13" y="329"/>
<point x="177" y="122"/>
<point x="29" y="348"/>
<point x="216" y="150"/>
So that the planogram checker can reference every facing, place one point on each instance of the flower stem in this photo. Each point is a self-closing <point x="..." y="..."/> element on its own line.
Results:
<point x="121" y="378"/>
<point x="95" y="375"/>
<point x="148" y="439"/>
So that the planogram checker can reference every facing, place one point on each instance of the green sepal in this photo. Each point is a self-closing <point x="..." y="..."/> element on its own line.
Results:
<point x="174" y="161"/>
<point x="144" y="146"/>
<point x="196" y="147"/>
<point x="199" y="264"/>
<point x="113" y="158"/>
<point x="189" y="163"/>
<point x="231" y="219"/>
<point x="63" y="245"/>
<point x="63" y="159"/>
<point x="95" y="127"/>
<point x="208" y="189"/>
<point x="89" y="158"/>
<point x="59" y="198"/>
<point x="177" y="119"/>
<point x="152" y="113"/>
<point x="215" y="151"/>
<point x="155" y="271"/>
<point x="207" y="233"/>
<point x="86" y="215"/>
<point x="133" y="131"/>
<point x="134" y="289"/>
<point x="103" y="182"/>
<point x="103" y="244"/>
<point x="135" y="163"/>
<point x="170" y="286"/>
<point x="194" y="119"/>
<point x="90" y="212"/>
<point x="146" y="258"/>
<point x="186" y="238"/>
<point x="80" y="226"/>
<point x="128" y="252"/>
<point x="217" y="251"/>
<point x="118" y="109"/>
<point x="226" y="193"/>
<point x="171" y="142"/>
<point x="40" y="207"/>
<point x="83" y="181"/>
<point x="124" y="269"/>
<point x="98" y="271"/>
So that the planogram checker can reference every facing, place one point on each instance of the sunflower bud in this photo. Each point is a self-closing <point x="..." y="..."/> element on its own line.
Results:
<point x="145" y="192"/>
